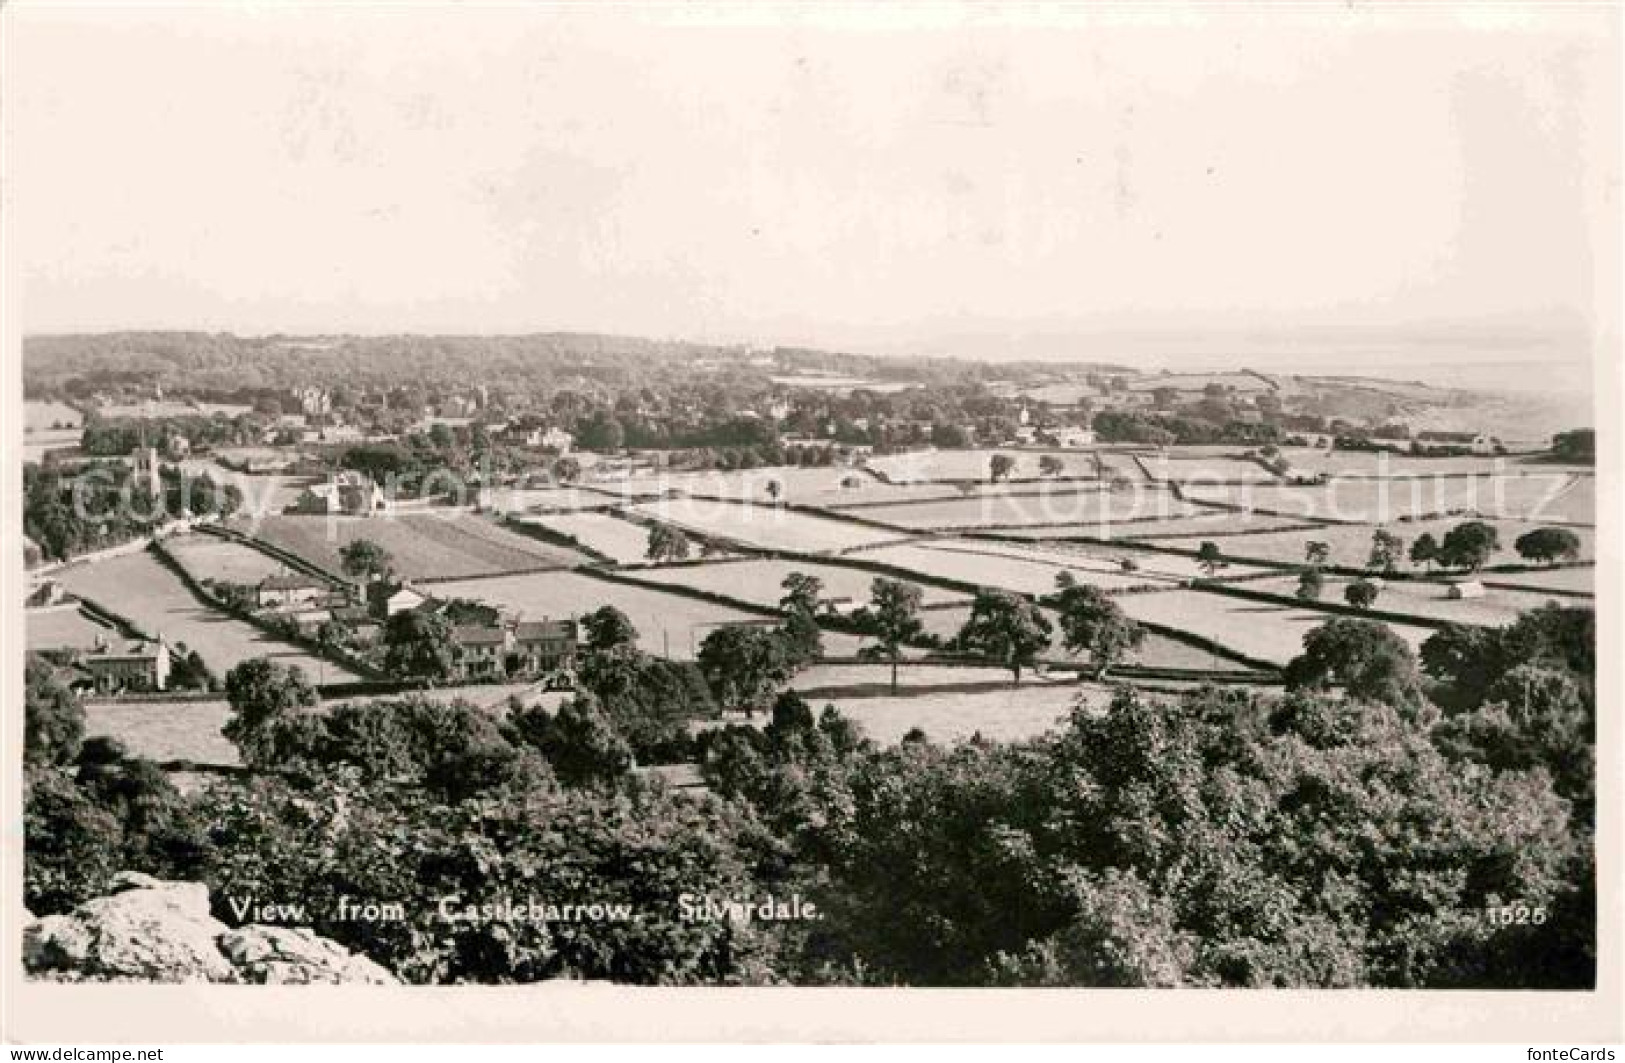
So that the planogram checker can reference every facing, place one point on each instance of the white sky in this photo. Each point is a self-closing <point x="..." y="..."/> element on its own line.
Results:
<point x="902" y="181"/>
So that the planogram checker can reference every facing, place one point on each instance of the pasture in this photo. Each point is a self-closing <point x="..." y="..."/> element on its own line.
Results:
<point x="1012" y="714"/>
<point x="761" y="581"/>
<point x="765" y="527"/>
<point x="264" y="495"/>
<point x="1260" y="630"/>
<point x="1203" y="525"/>
<point x="1156" y="651"/>
<point x="41" y="416"/>
<point x="1350" y="544"/>
<point x="542" y="499"/>
<point x="1063" y="506"/>
<point x="1372" y="500"/>
<point x="166" y="730"/>
<point x="209" y="557"/>
<point x="910" y="677"/>
<point x="665" y="622"/>
<point x="1428" y="599"/>
<point x="1581" y="580"/>
<point x="139" y="587"/>
<point x="1008" y="568"/>
<point x="1314" y="460"/>
<point x="923" y="466"/>
<point x="62" y="627"/>
<point x="1151" y="567"/>
<point x="620" y="539"/>
<point x="423" y="545"/>
<point x="190" y="730"/>
<point x="1211" y="470"/>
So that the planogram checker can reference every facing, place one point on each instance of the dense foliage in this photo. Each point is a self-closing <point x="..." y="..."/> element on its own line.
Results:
<point x="1371" y="826"/>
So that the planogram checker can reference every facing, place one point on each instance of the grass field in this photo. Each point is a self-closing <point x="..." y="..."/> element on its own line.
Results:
<point x="662" y="619"/>
<point x="263" y="495"/>
<point x="62" y="627"/>
<point x="1009" y="569"/>
<point x="1258" y="629"/>
<point x="190" y="730"/>
<point x="909" y="677"/>
<point x="422" y="545"/>
<point x="166" y="730"/>
<point x="1377" y="500"/>
<point x="1201" y="525"/>
<point x="1153" y="567"/>
<point x="935" y="465"/>
<point x="1425" y="599"/>
<point x="1375" y="463"/>
<point x="814" y="485"/>
<point x="141" y="588"/>
<point x="541" y="499"/>
<point x="608" y="534"/>
<point x="1351" y="544"/>
<point x="1095" y="509"/>
<point x="1187" y="470"/>
<point x="209" y="557"/>
<point x="1156" y="651"/>
<point x="46" y="416"/>
<point x="761" y="581"/>
<point x="1007" y="715"/>
<point x="1581" y="580"/>
<point x="872" y="492"/>
<point x="765" y="527"/>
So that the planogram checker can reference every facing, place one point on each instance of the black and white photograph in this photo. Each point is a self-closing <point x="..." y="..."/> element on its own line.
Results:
<point x="865" y="498"/>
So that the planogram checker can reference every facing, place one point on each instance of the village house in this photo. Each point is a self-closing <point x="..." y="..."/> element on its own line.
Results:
<point x="558" y="439"/>
<point x="45" y="592"/>
<point x="480" y="651"/>
<point x="285" y="590"/>
<point x="142" y="664"/>
<point x="309" y="621"/>
<point x="314" y="401"/>
<point x="1073" y="438"/>
<point x="1487" y="444"/>
<point x="348" y="493"/>
<point x="385" y="599"/>
<point x="544" y="645"/>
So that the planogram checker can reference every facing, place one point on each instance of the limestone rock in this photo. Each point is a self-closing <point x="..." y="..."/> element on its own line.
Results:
<point x="280" y="955"/>
<point x="149" y="930"/>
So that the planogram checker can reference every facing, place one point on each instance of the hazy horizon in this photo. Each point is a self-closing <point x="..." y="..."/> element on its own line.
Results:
<point x="1184" y="185"/>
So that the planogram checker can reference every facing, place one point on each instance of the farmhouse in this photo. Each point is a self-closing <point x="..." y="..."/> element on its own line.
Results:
<point x="544" y="645"/>
<point x="309" y="621"/>
<point x="558" y="439"/>
<point x="349" y="493"/>
<point x="386" y="599"/>
<point x="139" y="665"/>
<point x="1487" y="444"/>
<point x="839" y="605"/>
<point x="480" y="651"/>
<point x="1073" y="438"/>
<point x="45" y="592"/>
<point x="287" y="589"/>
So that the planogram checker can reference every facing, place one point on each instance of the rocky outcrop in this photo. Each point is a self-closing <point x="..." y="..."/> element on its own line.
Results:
<point x="149" y="930"/>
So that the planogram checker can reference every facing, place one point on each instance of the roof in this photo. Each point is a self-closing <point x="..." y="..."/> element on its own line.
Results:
<point x="141" y="649"/>
<point x="289" y="581"/>
<point x="536" y="630"/>
<point x="478" y="635"/>
<point x="384" y="591"/>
